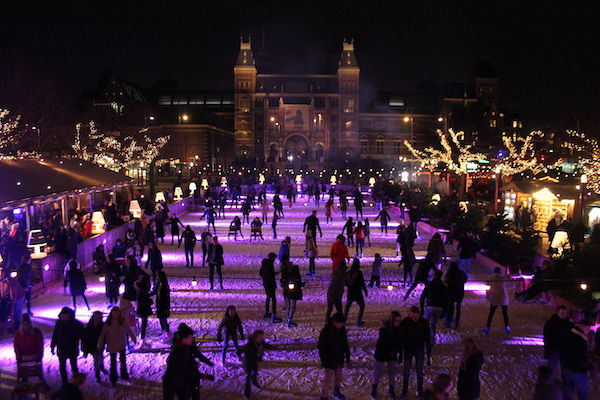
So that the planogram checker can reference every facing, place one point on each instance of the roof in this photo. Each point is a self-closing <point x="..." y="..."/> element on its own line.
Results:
<point x="530" y="187"/>
<point x="348" y="58"/>
<point x="36" y="181"/>
<point x="245" y="58"/>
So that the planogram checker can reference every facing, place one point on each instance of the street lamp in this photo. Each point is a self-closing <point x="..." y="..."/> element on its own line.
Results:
<point x="583" y="179"/>
<point x="408" y="119"/>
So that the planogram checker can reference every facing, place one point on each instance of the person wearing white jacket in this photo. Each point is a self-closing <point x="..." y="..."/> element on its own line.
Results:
<point x="498" y="297"/>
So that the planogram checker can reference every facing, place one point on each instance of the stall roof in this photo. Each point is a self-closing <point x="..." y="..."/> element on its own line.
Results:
<point x="36" y="181"/>
<point x="530" y="187"/>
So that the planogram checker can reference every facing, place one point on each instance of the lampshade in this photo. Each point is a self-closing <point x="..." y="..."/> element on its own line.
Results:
<point x="192" y="187"/>
<point x="36" y="243"/>
<point x="98" y="223"/>
<point x="204" y="183"/>
<point x="298" y="179"/>
<point x="261" y="179"/>
<point x="178" y="193"/>
<point x="135" y="209"/>
<point x="560" y="241"/>
<point x="372" y="181"/>
<point x="223" y="181"/>
<point x="333" y="180"/>
<point x="404" y="176"/>
<point x="160" y="196"/>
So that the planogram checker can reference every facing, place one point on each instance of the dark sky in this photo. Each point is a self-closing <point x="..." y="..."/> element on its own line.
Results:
<point x="545" y="53"/>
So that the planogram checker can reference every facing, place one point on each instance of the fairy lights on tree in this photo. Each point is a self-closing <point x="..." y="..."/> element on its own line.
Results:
<point x="9" y="130"/>
<point x="587" y="150"/>
<point x="521" y="156"/>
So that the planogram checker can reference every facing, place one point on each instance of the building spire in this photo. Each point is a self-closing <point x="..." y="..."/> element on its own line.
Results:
<point x="245" y="57"/>
<point x="348" y="58"/>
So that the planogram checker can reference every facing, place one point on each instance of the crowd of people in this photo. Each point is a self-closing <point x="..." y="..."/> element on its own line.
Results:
<point x="135" y="291"/>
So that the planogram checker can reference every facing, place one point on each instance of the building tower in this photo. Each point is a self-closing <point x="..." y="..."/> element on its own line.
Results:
<point x="348" y="74"/>
<point x="244" y="76"/>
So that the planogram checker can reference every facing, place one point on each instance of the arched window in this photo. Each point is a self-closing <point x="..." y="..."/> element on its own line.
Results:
<point x="379" y="145"/>
<point x="364" y="145"/>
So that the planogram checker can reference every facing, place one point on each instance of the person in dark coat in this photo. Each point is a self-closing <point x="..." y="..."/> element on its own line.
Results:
<point x="210" y="214"/>
<point x="144" y="303"/>
<point x="232" y="324"/>
<point x="387" y="350"/>
<point x="268" y="275"/>
<point x="25" y="278"/>
<point x="356" y="286"/>
<point x="65" y="341"/>
<point x="112" y="273"/>
<point x="154" y="260"/>
<point x="131" y="275"/>
<point x="89" y="343"/>
<point x="215" y="261"/>
<point x="554" y="330"/>
<point x="384" y="216"/>
<point x="182" y="378"/>
<point x="175" y="222"/>
<point x="99" y="258"/>
<point x="435" y="296"/>
<point x="333" y="351"/>
<point x="77" y="284"/>
<point x="159" y="226"/>
<point x="455" y="283"/>
<point x="292" y="284"/>
<point x="119" y="249"/>
<point x="415" y="339"/>
<point x="574" y="350"/>
<point x="205" y="241"/>
<point x="335" y="292"/>
<point x="349" y="228"/>
<point x="466" y="249"/>
<point x="72" y="390"/>
<point x="253" y="351"/>
<point x="163" y="302"/>
<point x="468" y="385"/>
<point x="422" y="274"/>
<point x="311" y="223"/>
<point x="189" y="242"/>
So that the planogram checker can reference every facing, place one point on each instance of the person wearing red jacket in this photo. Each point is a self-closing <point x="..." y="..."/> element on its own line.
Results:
<point x="29" y="342"/>
<point x="339" y="252"/>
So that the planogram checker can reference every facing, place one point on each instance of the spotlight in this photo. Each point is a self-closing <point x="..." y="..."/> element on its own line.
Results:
<point x="194" y="282"/>
<point x="101" y="278"/>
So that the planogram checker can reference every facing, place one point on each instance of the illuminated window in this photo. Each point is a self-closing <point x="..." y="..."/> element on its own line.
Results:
<point x="397" y="146"/>
<point x="493" y="123"/>
<point x="348" y="124"/>
<point x="379" y="145"/>
<point x="364" y="145"/>
<point x="515" y="122"/>
<point x="349" y="106"/>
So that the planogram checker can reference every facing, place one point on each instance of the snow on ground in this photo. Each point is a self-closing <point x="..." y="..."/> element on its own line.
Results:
<point x="292" y="370"/>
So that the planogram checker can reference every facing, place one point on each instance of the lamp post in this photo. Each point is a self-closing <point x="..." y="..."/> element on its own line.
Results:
<point x="410" y="119"/>
<point x="582" y="180"/>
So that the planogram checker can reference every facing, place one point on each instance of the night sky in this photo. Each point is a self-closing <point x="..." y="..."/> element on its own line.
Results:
<point x="545" y="53"/>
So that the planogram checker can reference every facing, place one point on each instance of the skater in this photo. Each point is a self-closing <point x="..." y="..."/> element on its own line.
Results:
<point x="112" y="280"/>
<point x="189" y="242"/>
<point x="335" y="292"/>
<point x="131" y="273"/>
<point x="235" y="227"/>
<point x="385" y="218"/>
<point x="435" y="295"/>
<point x="359" y="234"/>
<point x="311" y="251"/>
<point x="17" y="298"/>
<point x="292" y="284"/>
<point x="268" y="274"/>
<point x="205" y="240"/>
<point x="554" y="330"/>
<point x="277" y="206"/>
<point x="65" y="341"/>
<point x="210" y="216"/>
<point x="311" y="223"/>
<point x="356" y="286"/>
<point x="329" y="210"/>
<point x="400" y="232"/>
<point x="498" y="297"/>
<point x="175" y="222"/>
<point x="215" y="261"/>
<point x="182" y="378"/>
<point x="28" y="344"/>
<point x="159" y="226"/>
<point x="155" y="261"/>
<point x="144" y="304"/>
<point x="376" y="271"/>
<point x="264" y="208"/>
<point x="113" y="336"/>
<point x="421" y="276"/>
<point x="89" y="343"/>
<point x="358" y="203"/>
<point x="274" y="224"/>
<point x="574" y="352"/>
<point x="468" y="385"/>
<point x="455" y="281"/>
<point x="333" y="351"/>
<point x="256" y="229"/>
<point x="163" y="303"/>
<point x="77" y="284"/>
<point x="343" y="203"/>
<point x="284" y="248"/>
<point x="386" y="351"/>
<point x="246" y="208"/>
<point x="466" y="249"/>
<point x="415" y="340"/>
<point x="232" y="324"/>
<point x="222" y="204"/>
<point x="317" y="195"/>
<point x="437" y="250"/>
<point x="338" y="252"/>
<point x="367" y="226"/>
<point x="253" y="351"/>
<point x="349" y="228"/>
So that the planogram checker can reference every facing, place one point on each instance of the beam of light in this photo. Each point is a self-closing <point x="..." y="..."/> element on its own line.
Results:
<point x="536" y="340"/>
<point x="479" y="288"/>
